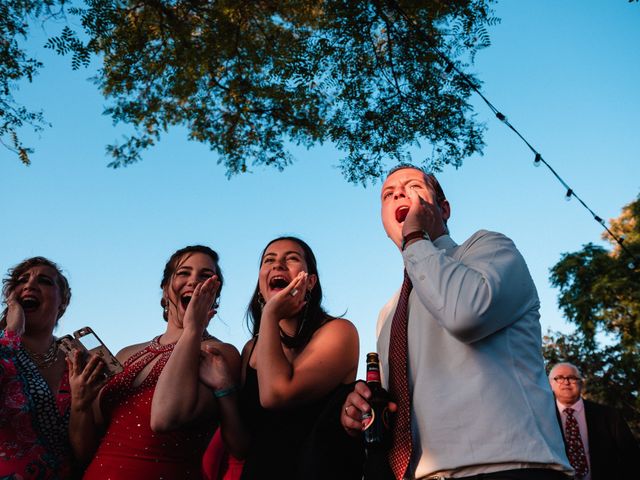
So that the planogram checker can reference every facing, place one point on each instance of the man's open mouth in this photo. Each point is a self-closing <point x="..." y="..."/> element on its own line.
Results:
<point x="401" y="213"/>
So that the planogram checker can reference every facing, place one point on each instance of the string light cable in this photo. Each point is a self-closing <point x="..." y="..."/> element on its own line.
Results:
<point x="538" y="160"/>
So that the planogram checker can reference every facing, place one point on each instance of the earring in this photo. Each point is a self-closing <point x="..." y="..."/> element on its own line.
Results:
<point x="165" y="308"/>
<point x="261" y="300"/>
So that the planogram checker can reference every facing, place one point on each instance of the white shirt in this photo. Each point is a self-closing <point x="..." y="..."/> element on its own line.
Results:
<point x="579" y="415"/>
<point x="481" y="401"/>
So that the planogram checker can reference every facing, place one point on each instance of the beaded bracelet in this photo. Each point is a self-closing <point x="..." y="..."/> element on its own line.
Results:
<point x="223" y="392"/>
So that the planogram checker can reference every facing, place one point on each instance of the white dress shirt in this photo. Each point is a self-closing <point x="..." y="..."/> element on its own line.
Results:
<point x="481" y="401"/>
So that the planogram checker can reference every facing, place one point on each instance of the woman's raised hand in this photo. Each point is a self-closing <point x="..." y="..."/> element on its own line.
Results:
<point x="214" y="369"/>
<point x="15" y="315"/>
<point x="86" y="378"/>
<point x="288" y="301"/>
<point x="200" y="309"/>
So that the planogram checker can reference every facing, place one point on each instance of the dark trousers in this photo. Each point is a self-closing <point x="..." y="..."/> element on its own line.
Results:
<point x="521" y="474"/>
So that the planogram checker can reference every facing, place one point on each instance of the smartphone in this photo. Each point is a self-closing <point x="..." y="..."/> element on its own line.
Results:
<point x="86" y="341"/>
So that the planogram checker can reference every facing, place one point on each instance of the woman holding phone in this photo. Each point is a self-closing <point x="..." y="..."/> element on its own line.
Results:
<point x="34" y="387"/>
<point x="156" y="415"/>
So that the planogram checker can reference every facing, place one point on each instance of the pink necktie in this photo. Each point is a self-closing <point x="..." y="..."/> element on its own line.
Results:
<point x="575" y="448"/>
<point x="400" y="452"/>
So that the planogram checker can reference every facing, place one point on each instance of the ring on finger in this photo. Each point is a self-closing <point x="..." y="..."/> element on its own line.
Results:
<point x="346" y="410"/>
<point x="293" y="292"/>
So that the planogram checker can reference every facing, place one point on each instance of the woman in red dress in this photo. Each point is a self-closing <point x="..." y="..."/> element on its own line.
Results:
<point x="34" y="386"/>
<point x="157" y="416"/>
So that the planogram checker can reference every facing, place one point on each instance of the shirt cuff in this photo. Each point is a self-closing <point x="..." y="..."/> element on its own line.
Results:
<point x="418" y="251"/>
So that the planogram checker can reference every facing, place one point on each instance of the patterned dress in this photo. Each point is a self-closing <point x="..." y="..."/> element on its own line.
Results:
<point x="33" y="422"/>
<point x="129" y="448"/>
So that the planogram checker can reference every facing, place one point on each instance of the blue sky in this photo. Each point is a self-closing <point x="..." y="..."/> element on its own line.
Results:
<point x="566" y="73"/>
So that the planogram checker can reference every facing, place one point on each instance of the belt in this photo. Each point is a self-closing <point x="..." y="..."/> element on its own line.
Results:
<point x="520" y="473"/>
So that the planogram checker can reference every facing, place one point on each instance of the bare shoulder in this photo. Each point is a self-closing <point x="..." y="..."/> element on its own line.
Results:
<point x="338" y="327"/>
<point x="337" y="334"/>
<point x="126" y="352"/>
<point x="335" y="346"/>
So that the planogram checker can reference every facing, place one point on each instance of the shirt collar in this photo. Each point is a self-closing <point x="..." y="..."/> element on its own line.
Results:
<point x="577" y="407"/>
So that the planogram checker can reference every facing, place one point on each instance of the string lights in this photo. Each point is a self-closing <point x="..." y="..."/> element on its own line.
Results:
<point x="538" y="160"/>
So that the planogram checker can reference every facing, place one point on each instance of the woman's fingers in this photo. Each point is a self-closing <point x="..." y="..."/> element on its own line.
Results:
<point x="12" y="299"/>
<point x="95" y="369"/>
<point x="296" y="287"/>
<point x="76" y="363"/>
<point x="15" y="315"/>
<point x="355" y="404"/>
<point x="205" y="291"/>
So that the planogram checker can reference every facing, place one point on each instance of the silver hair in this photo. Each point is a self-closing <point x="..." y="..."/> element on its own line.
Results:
<point x="565" y="364"/>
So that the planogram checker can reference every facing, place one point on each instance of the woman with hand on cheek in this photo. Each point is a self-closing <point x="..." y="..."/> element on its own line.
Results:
<point x="298" y="358"/>
<point x="158" y="416"/>
<point x="34" y="387"/>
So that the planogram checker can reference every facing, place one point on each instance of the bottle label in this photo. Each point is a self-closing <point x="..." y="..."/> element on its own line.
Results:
<point x="369" y="417"/>
<point x="373" y="376"/>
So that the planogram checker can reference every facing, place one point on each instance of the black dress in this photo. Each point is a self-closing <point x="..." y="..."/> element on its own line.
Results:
<point x="302" y="442"/>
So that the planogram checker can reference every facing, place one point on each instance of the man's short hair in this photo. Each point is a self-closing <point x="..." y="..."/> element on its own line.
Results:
<point x="430" y="178"/>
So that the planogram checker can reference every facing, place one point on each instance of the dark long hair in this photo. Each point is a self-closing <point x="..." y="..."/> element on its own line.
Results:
<point x="313" y="315"/>
<point x="10" y="282"/>
<point x="176" y="260"/>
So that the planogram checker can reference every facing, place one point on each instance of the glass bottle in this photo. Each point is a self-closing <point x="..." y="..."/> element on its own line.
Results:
<point x="376" y="432"/>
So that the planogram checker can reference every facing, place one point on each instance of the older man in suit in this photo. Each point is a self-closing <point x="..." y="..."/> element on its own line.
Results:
<point x="599" y="443"/>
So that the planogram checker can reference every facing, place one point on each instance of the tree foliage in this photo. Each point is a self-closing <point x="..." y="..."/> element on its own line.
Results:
<point x="246" y="77"/>
<point x="16" y="66"/>
<point x="600" y="293"/>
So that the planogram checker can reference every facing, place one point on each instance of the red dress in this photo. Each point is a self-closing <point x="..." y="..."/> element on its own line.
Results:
<point x="129" y="448"/>
<point x="218" y="463"/>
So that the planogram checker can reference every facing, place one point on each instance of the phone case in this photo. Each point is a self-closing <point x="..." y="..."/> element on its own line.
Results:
<point x="69" y="344"/>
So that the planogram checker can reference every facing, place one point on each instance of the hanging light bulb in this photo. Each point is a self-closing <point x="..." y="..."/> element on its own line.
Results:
<point x="538" y="160"/>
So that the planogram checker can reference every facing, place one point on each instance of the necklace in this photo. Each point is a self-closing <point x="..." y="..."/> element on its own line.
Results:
<point x="155" y="342"/>
<point x="46" y="359"/>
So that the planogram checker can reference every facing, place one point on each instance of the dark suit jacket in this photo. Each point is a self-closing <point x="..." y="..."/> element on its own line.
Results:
<point x="613" y="451"/>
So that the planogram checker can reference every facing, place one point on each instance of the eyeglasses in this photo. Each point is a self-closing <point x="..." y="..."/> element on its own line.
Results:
<point x="570" y="379"/>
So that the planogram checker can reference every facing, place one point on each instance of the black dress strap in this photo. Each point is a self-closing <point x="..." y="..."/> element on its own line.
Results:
<point x="253" y="347"/>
